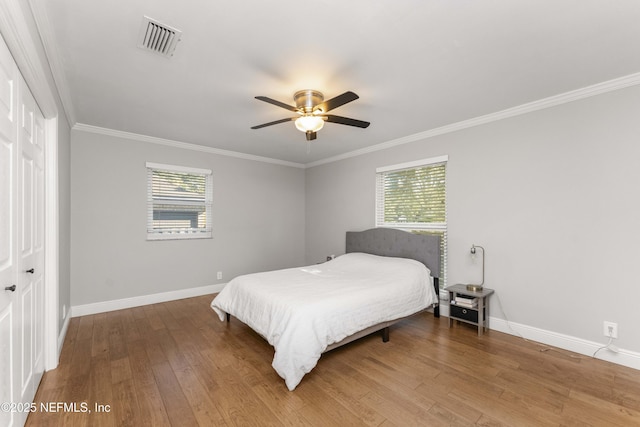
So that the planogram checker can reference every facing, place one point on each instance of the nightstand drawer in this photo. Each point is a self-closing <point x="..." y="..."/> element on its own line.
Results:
<point x="464" y="313"/>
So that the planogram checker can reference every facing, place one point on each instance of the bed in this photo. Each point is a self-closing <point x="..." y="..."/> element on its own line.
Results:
<point x="384" y="276"/>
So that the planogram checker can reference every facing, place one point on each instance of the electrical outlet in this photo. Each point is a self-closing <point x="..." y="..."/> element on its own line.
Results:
<point x="610" y="330"/>
<point x="219" y="275"/>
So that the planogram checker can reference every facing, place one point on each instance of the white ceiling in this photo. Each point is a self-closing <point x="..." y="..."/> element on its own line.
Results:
<point x="417" y="65"/>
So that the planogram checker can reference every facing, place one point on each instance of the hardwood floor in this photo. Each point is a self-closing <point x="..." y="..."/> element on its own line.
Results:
<point x="176" y="364"/>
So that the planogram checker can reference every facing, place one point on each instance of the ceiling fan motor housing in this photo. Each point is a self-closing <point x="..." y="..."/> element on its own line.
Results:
<point x="307" y="99"/>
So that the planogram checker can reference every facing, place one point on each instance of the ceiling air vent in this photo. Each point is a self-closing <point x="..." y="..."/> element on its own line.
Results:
<point x="158" y="38"/>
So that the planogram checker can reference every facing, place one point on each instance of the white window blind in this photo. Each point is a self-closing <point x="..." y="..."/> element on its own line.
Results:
<point x="179" y="202"/>
<point x="412" y="196"/>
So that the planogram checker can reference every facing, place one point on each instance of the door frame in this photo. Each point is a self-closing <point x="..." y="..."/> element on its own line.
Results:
<point x="16" y="27"/>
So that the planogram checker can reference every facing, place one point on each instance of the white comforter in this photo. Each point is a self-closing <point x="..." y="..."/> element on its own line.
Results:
<point x="300" y="311"/>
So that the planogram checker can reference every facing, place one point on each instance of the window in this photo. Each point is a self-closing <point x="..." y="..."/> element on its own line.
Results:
<point x="412" y="196"/>
<point x="179" y="202"/>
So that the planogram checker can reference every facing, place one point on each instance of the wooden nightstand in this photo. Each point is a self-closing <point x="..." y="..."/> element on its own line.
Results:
<point x="474" y="314"/>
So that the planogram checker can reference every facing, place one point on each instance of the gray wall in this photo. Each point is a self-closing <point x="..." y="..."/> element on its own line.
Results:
<point x="258" y="220"/>
<point x="553" y="197"/>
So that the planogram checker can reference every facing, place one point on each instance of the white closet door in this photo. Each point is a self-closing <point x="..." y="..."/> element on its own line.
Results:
<point x="9" y="339"/>
<point x="21" y="242"/>
<point x="30" y="239"/>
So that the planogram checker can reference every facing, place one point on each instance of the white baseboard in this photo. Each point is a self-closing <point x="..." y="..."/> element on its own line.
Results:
<point x="623" y="357"/>
<point x="119" y="304"/>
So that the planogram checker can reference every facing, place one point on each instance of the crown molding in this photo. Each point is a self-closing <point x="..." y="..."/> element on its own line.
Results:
<point x="53" y="57"/>
<point x="184" y="145"/>
<point x="575" y="95"/>
<point x="552" y="101"/>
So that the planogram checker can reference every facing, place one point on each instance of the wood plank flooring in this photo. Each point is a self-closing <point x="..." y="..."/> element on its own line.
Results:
<point x="176" y="364"/>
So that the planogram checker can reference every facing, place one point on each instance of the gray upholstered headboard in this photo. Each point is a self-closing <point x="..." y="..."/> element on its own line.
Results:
<point x="397" y="243"/>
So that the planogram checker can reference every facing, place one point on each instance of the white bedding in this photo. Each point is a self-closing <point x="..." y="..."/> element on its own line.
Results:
<point x="300" y="311"/>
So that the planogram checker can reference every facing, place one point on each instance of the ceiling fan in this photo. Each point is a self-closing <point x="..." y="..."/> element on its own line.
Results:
<point x="312" y="108"/>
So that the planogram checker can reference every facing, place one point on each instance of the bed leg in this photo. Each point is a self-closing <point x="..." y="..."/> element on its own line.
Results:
<point x="228" y="317"/>
<point x="436" y="308"/>
<point x="385" y="334"/>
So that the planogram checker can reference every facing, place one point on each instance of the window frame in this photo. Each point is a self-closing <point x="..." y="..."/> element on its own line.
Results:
<point x="207" y="204"/>
<point x="415" y="227"/>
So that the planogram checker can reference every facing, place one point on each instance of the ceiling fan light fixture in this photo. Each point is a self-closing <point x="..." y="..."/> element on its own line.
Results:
<point x="309" y="123"/>
<point x="312" y="109"/>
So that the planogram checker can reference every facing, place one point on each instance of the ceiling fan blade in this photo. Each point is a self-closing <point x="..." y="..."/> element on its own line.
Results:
<point x="346" y="121"/>
<point x="277" y="103"/>
<point x="336" y="102"/>
<point x="273" y="123"/>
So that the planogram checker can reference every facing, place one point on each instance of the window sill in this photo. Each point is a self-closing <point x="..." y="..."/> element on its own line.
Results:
<point x="178" y="236"/>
